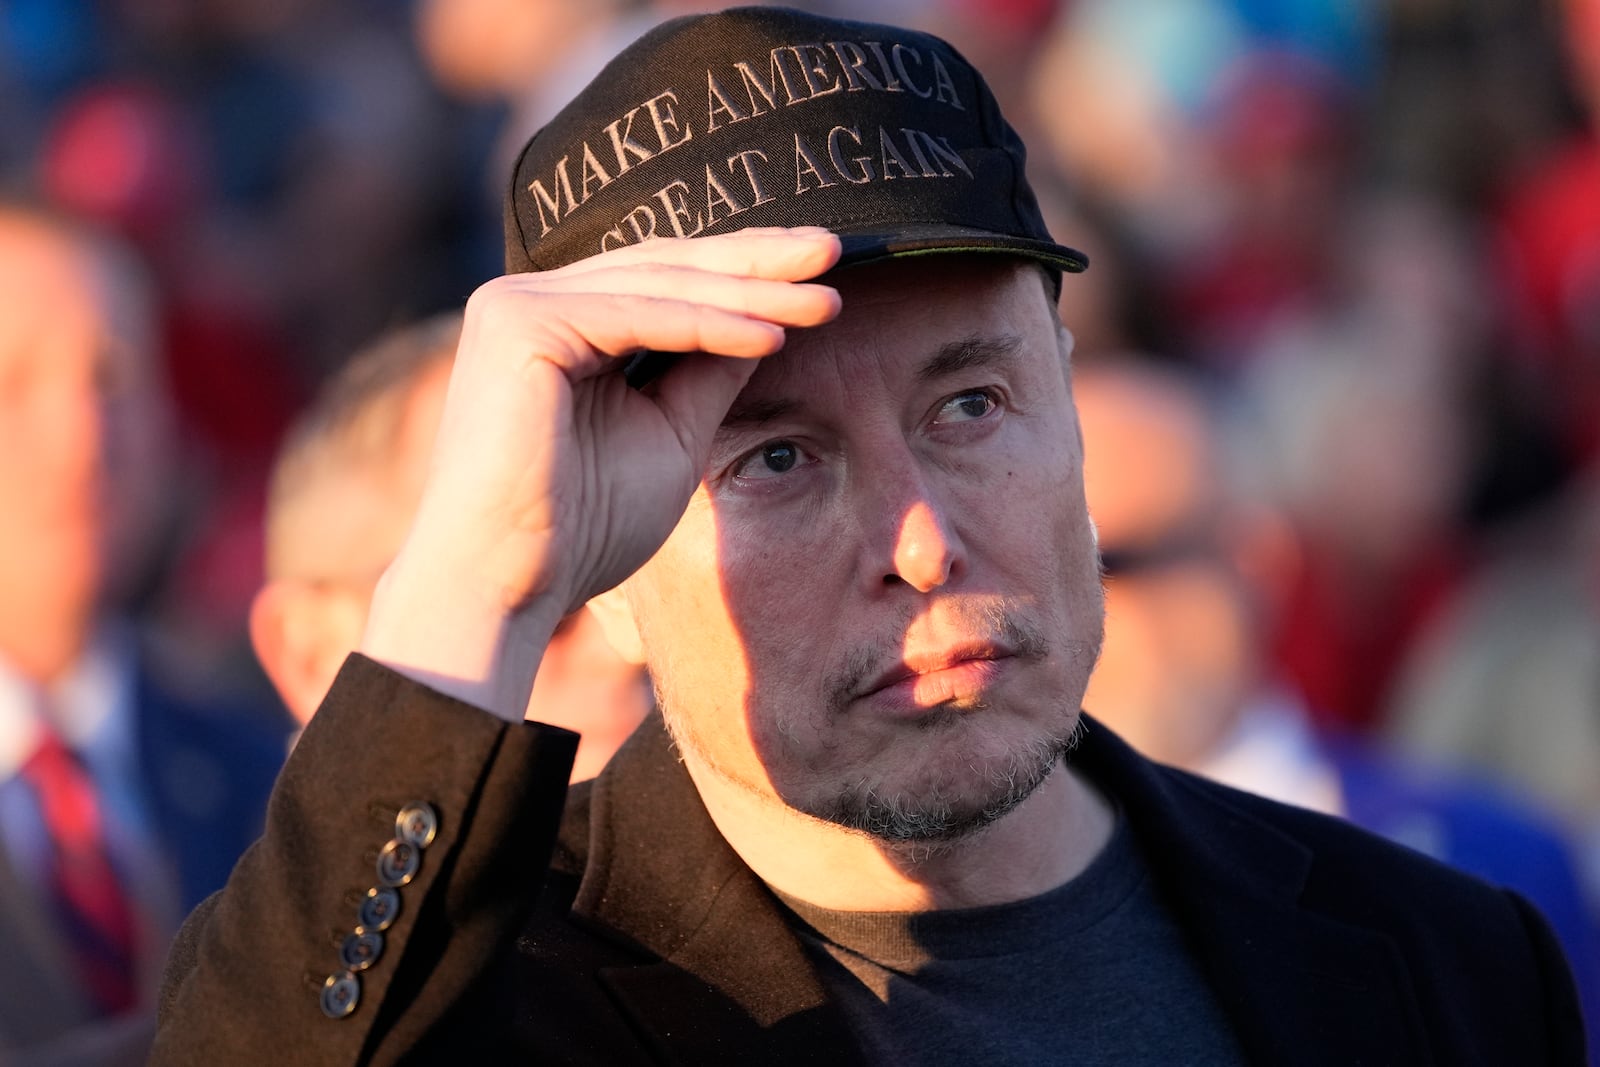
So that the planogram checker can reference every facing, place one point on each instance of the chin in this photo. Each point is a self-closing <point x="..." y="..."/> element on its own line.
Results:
<point x="954" y="786"/>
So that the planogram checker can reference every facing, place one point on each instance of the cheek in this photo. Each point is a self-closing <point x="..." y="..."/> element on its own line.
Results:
<point x="688" y="634"/>
<point x="785" y="576"/>
<point x="693" y="624"/>
<point x="743" y="638"/>
<point x="1033" y="505"/>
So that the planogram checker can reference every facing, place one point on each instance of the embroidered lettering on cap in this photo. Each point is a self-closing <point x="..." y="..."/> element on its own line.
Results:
<point x="640" y="223"/>
<point x="850" y="107"/>
<point x="746" y="159"/>
<point x="735" y="94"/>
<point x="627" y="153"/>
<point x="806" y="71"/>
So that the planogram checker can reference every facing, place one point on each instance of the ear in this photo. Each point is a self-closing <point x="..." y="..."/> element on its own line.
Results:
<point x="616" y="620"/>
<point x="301" y="634"/>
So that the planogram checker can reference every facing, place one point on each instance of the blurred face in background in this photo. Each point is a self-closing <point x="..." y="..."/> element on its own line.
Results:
<point x="330" y="541"/>
<point x="1181" y="641"/>
<point x="486" y="48"/>
<point x="83" y="436"/>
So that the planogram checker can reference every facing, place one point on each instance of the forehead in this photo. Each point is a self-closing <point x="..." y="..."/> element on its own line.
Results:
<point x="59" y="293"/>
<point x="897" y="315"/>
<point x="37" y="261"/>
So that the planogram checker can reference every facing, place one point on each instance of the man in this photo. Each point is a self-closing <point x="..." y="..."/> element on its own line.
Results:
<point x="343" y="491"/>
<point x="121" y="804"/>
<point x="849" y="527"/>
<point x="1194" y="569"/>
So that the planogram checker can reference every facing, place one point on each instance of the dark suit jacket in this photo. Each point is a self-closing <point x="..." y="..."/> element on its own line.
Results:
<point x="647" y="940"/>
<point x="1469" y="824"/>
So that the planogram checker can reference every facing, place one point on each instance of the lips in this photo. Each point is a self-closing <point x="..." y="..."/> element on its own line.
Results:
<point x="927" y="679"/>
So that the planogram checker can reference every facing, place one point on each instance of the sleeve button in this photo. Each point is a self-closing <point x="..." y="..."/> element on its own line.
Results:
<point x="340" y="994"/>
<point x="361" y="949"/>
<point x="417" y="824"/>
<point x="397" y="864"/>
<point x="379" y="910"/>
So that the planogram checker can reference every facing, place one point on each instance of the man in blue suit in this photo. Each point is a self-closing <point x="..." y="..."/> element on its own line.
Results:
<point x="121" y="802"/>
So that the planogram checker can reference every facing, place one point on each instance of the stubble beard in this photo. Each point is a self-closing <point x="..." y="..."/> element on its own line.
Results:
<point x="930" y="821"/>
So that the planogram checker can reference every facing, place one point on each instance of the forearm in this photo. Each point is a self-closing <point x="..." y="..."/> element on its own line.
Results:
<point x="430" y="622"/>
<point x="246" y="977"/>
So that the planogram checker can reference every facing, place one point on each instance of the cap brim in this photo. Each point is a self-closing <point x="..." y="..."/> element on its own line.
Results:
<point x="916" y="240"/>
<point x="880" y="245"/>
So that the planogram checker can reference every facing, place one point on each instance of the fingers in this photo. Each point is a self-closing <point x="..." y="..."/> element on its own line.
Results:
<point x="774" y="253"/>
<point x="730" y="295"/>
<point x="622" y="324"/>
<point x="783" y="303"/>
<point x="695" y="393"/>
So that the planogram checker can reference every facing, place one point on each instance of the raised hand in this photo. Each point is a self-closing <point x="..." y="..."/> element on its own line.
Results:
<point x="552" y="478"/>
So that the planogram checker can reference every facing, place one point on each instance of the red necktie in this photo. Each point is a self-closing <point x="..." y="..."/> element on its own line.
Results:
<point x="95" y="914"/>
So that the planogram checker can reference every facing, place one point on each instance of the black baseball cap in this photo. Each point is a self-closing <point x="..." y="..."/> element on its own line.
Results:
<point x="766" y="116"/>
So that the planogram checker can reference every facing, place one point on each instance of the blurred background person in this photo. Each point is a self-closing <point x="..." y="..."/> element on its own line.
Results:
<point x="1363" y="444"/>
<point x="348" y="479"/>
<point x="1508" y="681"/>
<point x="122" y="802"/>
<point x="1194" y="570"/>
<point x="527" y="58"/>
<point x="530" y="56"/>
<point x="295" y="183"/>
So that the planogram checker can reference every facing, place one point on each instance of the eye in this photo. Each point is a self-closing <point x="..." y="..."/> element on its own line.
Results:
<point x="769" y="461"/>
<point x="965" y="407"/>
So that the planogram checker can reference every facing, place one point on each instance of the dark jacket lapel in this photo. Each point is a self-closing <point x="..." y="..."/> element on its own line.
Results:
<point x="731" y="981"/>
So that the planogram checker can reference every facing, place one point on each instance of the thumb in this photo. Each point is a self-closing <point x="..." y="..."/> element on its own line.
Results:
<point x="695" y="394"/>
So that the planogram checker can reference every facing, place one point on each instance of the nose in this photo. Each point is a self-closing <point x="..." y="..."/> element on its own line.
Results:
<point x="926" y="552"/>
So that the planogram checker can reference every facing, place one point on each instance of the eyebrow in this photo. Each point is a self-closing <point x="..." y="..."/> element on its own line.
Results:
<point x="951" y="358"/>
<point x="968" y="353"/>
<point x="746" y="413"/>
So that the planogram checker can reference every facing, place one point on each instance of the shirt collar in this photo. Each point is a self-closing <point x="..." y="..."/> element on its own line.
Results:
<point x="88" y="704"/>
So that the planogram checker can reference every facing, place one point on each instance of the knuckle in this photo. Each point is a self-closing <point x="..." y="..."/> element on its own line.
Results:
<point x="488" y="296"/>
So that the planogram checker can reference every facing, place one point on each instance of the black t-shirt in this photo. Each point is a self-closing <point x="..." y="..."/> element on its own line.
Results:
<point x="1093" y="972"/>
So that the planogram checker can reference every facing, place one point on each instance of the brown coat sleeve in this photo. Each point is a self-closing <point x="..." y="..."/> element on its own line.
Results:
<point x="245" y="978"/>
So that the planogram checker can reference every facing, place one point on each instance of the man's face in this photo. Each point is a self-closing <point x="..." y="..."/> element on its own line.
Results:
<point x="81" y="412"/>
<point x="883" y="602"/>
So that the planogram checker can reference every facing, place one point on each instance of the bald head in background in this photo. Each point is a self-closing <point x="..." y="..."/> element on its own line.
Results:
<point x="344" y="489"/>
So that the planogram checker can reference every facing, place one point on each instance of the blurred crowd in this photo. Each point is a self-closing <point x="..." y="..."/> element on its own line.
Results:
<point x="1341" y="336"/>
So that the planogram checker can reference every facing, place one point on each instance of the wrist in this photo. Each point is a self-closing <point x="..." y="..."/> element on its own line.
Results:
<point x="438" y="629"/>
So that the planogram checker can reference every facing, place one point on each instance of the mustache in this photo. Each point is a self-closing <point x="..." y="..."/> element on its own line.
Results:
<point x="993" y="622"/>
